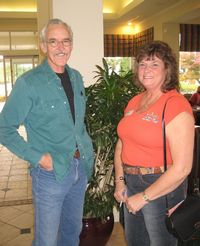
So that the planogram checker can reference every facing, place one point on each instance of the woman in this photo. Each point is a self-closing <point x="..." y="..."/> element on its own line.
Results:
<point x="195" y="98"/>
<point x="139" y="150"/>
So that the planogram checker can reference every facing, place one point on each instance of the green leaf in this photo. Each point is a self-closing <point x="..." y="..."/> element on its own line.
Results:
<point x="106" y="100"/>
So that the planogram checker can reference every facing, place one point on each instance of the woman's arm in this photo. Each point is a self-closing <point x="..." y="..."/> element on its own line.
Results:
<point x="180" y="134"/>
<point x="119" y="174"/>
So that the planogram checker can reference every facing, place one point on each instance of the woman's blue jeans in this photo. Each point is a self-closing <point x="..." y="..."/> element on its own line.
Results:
<point x="147" y="227"/>
<point x="58" y="206"/>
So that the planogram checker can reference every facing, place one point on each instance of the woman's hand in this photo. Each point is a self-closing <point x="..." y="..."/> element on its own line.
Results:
<point x="120" y="192"/>
<point x="135" y="203"/>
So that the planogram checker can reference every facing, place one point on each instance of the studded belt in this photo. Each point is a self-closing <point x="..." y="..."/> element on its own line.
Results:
<point x="142" y="170"/>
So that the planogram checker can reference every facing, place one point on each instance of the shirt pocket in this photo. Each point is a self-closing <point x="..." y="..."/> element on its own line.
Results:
<point x="52" y="105"/>
<point x="50" y="110"/>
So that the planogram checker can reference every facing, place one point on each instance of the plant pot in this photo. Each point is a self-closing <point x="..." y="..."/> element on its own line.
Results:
<point x="96" y="231"/>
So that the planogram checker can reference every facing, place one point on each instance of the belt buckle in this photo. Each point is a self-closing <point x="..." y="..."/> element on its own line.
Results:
<point x="141" y="170"/>
<point x="77" y="154"/>
<point x="138" y="171"/>
<point x="157" y="170"/>
<point x="148" y="170"/>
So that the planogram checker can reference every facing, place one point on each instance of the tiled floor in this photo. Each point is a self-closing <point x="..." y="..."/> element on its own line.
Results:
<point x="117" y="237"/>
<point x="16" y="210"/>
<point x="16" y="225"/>
<point x="15" y="181"/>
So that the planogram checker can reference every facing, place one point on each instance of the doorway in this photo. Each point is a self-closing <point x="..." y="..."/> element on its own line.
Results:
<point x="11" y="67"/>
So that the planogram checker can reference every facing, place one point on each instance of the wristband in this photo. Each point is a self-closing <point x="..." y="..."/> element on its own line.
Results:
<point x="119" y="179"/>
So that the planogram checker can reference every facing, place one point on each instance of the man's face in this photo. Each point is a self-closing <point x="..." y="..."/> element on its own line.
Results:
<point x="57" y="47"/>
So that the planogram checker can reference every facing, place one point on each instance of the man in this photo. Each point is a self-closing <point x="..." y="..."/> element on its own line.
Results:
<point x="49" y="101"/>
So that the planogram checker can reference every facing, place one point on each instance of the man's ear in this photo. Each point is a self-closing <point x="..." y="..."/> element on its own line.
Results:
<point x="43" y="47"/>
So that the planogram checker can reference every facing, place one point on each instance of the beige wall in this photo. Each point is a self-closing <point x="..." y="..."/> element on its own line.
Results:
<point x="170" y="32"/>
<point x="86" y="20"/>
<point x="18" y="24"/>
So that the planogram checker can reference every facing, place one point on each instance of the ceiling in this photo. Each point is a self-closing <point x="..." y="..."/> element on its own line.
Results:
<point x="123" y="11"/>
<point x="120" y="11"/>
<point x="18" y="5"/>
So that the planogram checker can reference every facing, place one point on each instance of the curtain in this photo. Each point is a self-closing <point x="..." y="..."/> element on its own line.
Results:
<point x="125" y="45"/>
<point x="118" y="45"/>
<point x="189" y="37"/>
<point x="143" y="38"/>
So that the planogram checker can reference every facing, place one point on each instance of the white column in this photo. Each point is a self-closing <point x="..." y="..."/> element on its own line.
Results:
<point x="44" y="13"/>
<point x="86" y="20"/>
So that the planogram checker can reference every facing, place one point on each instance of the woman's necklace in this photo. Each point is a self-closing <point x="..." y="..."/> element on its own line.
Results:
<point x="146" y="102"/>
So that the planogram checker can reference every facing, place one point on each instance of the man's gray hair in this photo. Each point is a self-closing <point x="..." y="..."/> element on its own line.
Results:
<point x="55" y="22"/>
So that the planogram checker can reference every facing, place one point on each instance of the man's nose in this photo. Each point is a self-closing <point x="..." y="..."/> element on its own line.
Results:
<point x="60" y="45"/>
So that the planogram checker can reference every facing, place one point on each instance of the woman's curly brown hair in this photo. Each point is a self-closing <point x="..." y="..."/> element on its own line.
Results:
<point x="164" y="52"/>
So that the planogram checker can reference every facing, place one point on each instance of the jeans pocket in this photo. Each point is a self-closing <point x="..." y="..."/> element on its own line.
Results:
<point x="149" y="179"/>
<point x="43" y="169"/>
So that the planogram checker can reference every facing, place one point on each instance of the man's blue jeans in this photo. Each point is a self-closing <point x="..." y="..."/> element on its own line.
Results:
<point x="147" y="227"/>
<point x="58" y="206"/>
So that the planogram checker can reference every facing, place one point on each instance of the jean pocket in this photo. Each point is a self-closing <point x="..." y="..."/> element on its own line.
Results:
<point x="42" y="169"/>
<point x="149" y="179"/>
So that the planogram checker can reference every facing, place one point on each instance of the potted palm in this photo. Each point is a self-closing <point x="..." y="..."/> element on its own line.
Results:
<point x="106" y="100"/>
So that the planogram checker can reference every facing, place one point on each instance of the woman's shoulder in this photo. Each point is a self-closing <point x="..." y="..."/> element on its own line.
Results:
<point x="174" y="97"/>
<point x="176" y="104"/>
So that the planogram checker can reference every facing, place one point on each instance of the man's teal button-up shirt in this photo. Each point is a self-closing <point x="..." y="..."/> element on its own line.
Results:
<point x="38" y="101"/>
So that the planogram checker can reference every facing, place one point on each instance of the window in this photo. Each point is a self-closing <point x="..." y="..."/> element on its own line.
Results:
<point x="24" y="41"/>
<point x="120" y="64"/>
<point x="10" y="69"/>
<point x="4" y="41"/>
<point x="189" y="71"/>
<point x="18" y="41"/>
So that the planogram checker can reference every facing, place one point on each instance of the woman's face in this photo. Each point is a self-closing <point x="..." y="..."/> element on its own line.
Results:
<point x="152" y="72"/>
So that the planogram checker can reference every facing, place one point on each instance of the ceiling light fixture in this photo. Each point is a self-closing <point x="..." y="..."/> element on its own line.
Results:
<point x="18" y="9"/>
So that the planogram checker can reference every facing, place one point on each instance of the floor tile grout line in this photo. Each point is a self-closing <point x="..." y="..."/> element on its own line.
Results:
<point x="16" y="202"/>
<point x="8" y="177"/>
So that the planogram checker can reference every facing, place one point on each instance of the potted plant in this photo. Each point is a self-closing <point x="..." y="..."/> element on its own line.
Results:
<point x="106" y="100"/>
